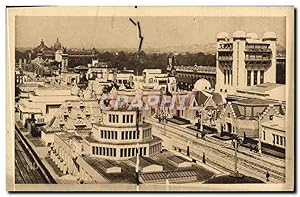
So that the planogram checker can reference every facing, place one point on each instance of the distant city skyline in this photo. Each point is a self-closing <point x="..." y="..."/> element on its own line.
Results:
<point x="119" y="32"/>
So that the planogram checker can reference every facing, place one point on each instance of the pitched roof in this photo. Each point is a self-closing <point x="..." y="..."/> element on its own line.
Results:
<point x="78" y="118"/>
<point x="236" y="110"/>
<point x="201" y="98"/>
<point x="218" y="99"/>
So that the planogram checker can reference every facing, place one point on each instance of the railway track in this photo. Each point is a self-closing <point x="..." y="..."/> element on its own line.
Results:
<point x="27" y="168"/>
<point x="221" y="154"/>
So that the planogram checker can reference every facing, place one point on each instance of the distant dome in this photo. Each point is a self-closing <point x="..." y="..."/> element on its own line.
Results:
<point x="252" y="36"/>
<point x="202" y="84"/>
<point x="269" y="35"/>
<point x="57" y="45"/>
<point x="239" y="34"/>
<point x="222" y="35"/>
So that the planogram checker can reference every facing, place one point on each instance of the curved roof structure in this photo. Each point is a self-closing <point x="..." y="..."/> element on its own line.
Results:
<point x="239" y="34"/>
<point x="252" y="36"/>
<point x="201" y="84"/>
<point x="57" y="45"/>
<point x="269" y="35"/>
<point x="222" y="35"/>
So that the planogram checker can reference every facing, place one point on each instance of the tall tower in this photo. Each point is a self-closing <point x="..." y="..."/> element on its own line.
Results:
<point x="65" y="60"/>
<point x="245" y="60"/>
<point x="270" y="71"/>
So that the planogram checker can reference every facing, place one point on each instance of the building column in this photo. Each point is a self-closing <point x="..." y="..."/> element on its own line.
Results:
<point x="258" y="76"/>
<point x="252" y="77"/>
<point x="225" y="76"/>
<point x="51" y="154"/>
<point x="63" y="65"/>
<point x="230" y="76"/>
<point x="65" y="168"/>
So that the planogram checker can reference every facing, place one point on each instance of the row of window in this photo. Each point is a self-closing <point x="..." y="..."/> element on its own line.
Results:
<point x="104" y="151"/>
<point x="226" y="46"/>
<point x="114" y="118"/>
<point x="278" y="140"/>
<point x="154" y="149"/>
<point x="109" y="134"/>
<point x="125" y="135"/>
<point x="195" y="76"/>
<point x="131" y="152"/>
<point x="129" y="135"/>
<point x="256" y="46"/>
<point x="225" y="57"/>
<point x="255" y="77"/>
<point x="146" y="133"/>
<point x="127" y="118"/>
<point x="258" y="56"/>
<point x="228" y="76"/>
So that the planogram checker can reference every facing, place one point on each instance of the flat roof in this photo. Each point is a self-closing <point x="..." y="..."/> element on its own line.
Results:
<point x="255" y="101"/>
<point x="103" y="163"/>
<point x="144" y="162"/>
<point x="93" y="140"/>
<point x="176" y="159"/>
<point x="261" y="88"/>
<point x="278" y="123"/>
<point x="127" y="175"/>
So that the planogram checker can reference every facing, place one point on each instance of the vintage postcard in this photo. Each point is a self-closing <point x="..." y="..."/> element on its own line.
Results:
<point x="147" y="99"/>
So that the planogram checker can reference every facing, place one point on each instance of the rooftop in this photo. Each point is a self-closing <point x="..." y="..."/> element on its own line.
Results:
<point x="91" y="139"/>
<point x="278" y="123"/>
<point x="255" y="101"/>
<point x="127" y="175"/>
<point x="144" y="161"/>
<point x="103" y="163"/>
<point x="176" y="159"/>
<point x="262" y="88"/>
<point x="75" y="112"/>
<point x="228" y="179"/>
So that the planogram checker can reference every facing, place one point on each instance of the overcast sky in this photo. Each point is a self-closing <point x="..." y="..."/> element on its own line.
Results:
<point x="119" y="32"/>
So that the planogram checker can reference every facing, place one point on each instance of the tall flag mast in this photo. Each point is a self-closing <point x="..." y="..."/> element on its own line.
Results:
<point x="137" y="151"/>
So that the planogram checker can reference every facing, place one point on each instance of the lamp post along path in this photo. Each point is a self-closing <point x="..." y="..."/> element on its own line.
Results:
<point x="235" y="156"/>
<point x="137" y="150"/>
<point x="259" y="133"/>
<point x="137" y="165"/>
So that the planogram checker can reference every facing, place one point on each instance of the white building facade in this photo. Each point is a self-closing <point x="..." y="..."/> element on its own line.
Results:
<point x="245" y="60"/>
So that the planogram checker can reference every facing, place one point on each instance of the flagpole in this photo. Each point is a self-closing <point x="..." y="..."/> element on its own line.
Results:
<point x="137" y="166"/>
<point x="137" y="153"/>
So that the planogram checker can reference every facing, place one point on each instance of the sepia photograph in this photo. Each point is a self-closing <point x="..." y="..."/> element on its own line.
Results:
<point x="147" y="99"/>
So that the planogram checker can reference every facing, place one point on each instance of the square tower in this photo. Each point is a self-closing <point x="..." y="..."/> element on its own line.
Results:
<point x="244" y="60"/>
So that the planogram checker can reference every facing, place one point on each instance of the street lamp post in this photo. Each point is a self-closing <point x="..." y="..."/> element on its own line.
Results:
<point x="137" y="151"/>
<point x="188" y="148"/>
<point x="236" y="143"/>
<point x="164" y="119"/>
<point x="259" y="133"/>
<point x="137" y="166"/>
<point x="235" y="156"/>
<point x="201" y="121"/>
